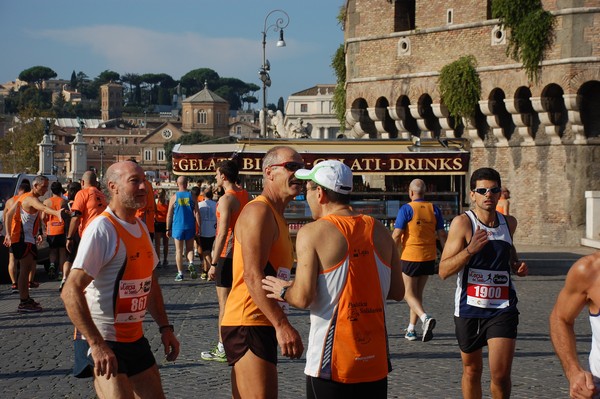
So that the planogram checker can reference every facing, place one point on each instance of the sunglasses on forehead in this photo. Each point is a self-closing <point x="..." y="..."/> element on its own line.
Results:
<point x="291" y="166"/>
<point x="484" y="191"/>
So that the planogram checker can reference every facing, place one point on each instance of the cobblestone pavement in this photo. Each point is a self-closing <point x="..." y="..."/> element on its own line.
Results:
<point x="37" y="350"/>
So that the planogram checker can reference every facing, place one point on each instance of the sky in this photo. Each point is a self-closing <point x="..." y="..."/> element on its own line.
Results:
<point x="172" y="37"/>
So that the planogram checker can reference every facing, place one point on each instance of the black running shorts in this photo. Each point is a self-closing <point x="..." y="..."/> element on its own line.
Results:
<point x="473" y="334"/>
<point x="224" y="273"/>
<point x="321" y="388"/>
<point x="57" y="241"/>
<point x="261" y="340"/>
<point x="21" y="249"/>
<point x="415" y="269"/>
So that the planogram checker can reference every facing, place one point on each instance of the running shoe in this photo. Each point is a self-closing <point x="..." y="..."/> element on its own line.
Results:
<point x="215" y="355"/>
<point x="165" y="263"/>
<point x="33" y="284"/>
<point x="14" y="289"/>
<point x="62" y="284"/>
<point x="29" y="306"/>
<point x="51" y="272"/>
<point x="179" y="277"/>
<point x="204" y="275"/>
<point x="60" y="276"/>
<point x="428" y="326"/>
<point x="193" y="272"/>
<point x="410" y="335"/>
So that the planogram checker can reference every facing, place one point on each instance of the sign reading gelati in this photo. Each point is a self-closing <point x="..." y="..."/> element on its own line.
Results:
<point x="451" y="162"/>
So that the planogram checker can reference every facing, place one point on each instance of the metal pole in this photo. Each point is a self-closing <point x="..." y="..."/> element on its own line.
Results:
<point x="264" y="83"/>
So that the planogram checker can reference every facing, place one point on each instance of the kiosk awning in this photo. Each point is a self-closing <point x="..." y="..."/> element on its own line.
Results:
<point x="362" y="156"/>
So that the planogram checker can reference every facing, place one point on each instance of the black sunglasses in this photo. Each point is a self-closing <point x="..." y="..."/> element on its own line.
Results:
<point x="291" y="166"/>
<point x="484" y="191"/>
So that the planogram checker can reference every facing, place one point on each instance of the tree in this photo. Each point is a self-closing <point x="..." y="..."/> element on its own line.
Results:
<point x="18" y="148"/>
<point x="281" y="105"/>
<point x="73" y="83"/>
<point x="36" y="75"/>
<point x="108" y="76"/>
<point x="194" y="80"/>
<point x="338" y="63"/>
<point x="250" y="100"/>
<point x="59" y="105"/>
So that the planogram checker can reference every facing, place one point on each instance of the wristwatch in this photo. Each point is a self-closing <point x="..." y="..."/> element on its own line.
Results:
<point x="282" y="292"/>
<point x="168" y="326"/>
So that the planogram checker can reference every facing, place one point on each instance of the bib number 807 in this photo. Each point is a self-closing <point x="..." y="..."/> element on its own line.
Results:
<point x="484" y="291"/>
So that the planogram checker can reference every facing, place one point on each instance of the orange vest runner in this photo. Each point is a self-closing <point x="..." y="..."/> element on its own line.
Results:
<point x="54" y="225"/>
<point x="348" y="331"/>
<point x="418" y="240"/>
<point x="161" y="212"/>
<point x="242" y="197"/>
<point x="133" y="287"/>
<point x="240" y="309"/>
<point x="20" y="232"/>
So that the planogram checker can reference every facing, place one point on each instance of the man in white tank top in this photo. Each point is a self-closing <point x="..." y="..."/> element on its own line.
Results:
<point x="582" y="287"/>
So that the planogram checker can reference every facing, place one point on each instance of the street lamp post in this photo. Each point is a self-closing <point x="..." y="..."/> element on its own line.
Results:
<point x="281" y="22"/>
<point x="101" y="157"/>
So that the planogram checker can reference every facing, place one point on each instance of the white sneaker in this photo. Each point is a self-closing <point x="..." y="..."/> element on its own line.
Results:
<point x="428" y="326"/>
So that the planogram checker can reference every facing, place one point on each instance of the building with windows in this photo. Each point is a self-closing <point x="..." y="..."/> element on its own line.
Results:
<point x="313" y="107"/>
<point x="205" y="112"/>
<point x="543" y="136"/>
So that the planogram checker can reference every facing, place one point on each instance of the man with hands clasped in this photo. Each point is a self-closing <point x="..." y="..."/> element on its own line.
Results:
<point x="480" y="250"/>
<point x="111" y="286"/>
<point x="344" y="280"/>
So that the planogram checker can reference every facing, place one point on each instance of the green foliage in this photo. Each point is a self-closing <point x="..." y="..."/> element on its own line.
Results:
<point x="460" y="87"/>
<point x="36" y="75"/>
<point x="73" y="83"/>
<point x="341" y="17"/>
<point x="18" y="148"/>
<point x="338" y="63"/>
<point x="281" y="105"/>
<point x="531" y="31"/>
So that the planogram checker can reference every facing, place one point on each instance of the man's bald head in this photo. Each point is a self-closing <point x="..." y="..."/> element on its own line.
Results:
<point x="418" y="187"/>
<point x="182" y="182"/>
<point x="89" y="178"/>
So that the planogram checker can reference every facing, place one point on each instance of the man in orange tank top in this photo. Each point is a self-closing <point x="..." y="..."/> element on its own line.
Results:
<point x="24" y="221"/>
<point x="55" y="230"/>
<point x="253" y="325"/>
<point x="89" y="202"/>
<point x="417" y="226"/>
<point x="24" y="187"/>
<point x="112" y="284"/>
<point x="344" y="281"/>
<point x="221" y="270"/>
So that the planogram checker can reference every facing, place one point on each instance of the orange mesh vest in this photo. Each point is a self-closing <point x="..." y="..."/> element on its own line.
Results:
<point x="55" y="226"/>
<point x="133" y="285"/>
<point x="17" y="232"/>
<point x="161" y="212"/>
<point x="418" y="240"/>
<point x="355" y="348"/>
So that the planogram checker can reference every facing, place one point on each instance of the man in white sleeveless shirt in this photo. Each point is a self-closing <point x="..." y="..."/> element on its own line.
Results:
<point x="582" y="287"/>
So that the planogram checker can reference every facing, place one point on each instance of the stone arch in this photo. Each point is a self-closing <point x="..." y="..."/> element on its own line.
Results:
<point x="383" y="121"/>
<point x="427" y="122"/>
<point x="405" y="123"/>
<point x="358" y="118"/>
<point x="523" y="115"/>
<point x="589" y="107"/>
<point x="552" y="112"/>
<point x="498" y="117"/>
